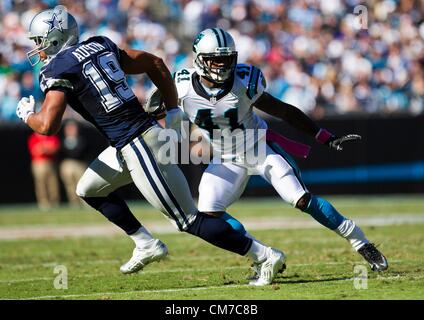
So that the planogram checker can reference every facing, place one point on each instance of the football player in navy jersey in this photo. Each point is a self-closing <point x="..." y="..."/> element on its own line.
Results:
<point x="90" y="77"/>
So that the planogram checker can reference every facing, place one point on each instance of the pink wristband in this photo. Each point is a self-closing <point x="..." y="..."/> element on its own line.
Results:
<point x="323" y="135"/>
<point x="293" y="147"/>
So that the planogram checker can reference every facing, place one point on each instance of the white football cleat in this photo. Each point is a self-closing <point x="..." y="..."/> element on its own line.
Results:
<point x="143" y="256"/>
<point x="270" y="267"/>
<point x="256" y="268"/>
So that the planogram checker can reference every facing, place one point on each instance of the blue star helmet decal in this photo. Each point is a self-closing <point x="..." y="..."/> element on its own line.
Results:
<point x="54" y="23"/>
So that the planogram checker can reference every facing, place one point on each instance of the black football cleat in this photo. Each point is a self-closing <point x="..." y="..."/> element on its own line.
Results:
<point x="375" y="258"/>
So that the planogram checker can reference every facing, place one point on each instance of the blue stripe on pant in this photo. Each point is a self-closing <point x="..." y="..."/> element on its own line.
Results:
<point x="154" y="186"/>
<point x="163" y="182"/>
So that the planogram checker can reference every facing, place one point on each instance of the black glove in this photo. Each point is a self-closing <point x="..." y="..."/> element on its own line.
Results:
<point x="336" y="142"/>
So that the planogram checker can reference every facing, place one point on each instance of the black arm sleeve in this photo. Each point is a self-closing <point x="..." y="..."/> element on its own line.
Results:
<point x="287" y="112"/>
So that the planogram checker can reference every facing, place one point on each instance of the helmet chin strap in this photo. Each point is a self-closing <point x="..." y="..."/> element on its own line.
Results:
<point x="214" y="82"/>
<point x="210" y="73"/>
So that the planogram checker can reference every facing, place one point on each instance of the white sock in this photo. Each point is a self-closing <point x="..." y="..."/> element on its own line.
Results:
<point x="247" y="234"/>
<point x="142" y="238"/>
<point x="350" y="231"/>
<point x="257" y="251"/>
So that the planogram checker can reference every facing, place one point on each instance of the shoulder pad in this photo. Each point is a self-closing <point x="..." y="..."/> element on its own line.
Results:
<point x="182" y="80"/>
<point x="99" y="39"/>
<point x="252" y="79"/>
<point x="61" y="63"/>
<point x="106" y="42"/>
<point x="54" y="73"/>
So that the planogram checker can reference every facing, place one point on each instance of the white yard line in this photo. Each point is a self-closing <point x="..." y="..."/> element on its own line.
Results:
<point x="263" y="223"/>
<point x="379" y="278"/>
<point x="105" y="275"/>
<point x="147" y="272"/>
<point x="139" y="291"/>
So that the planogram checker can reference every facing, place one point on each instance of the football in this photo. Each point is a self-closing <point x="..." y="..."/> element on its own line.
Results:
<point x="154" y="105"/>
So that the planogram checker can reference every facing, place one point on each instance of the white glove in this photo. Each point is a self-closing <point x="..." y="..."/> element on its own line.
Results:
<point x="26" y="107"/>
<point x="155" y="106"/>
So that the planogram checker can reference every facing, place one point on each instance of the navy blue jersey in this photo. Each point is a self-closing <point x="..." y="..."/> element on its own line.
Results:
<point x="91" y="76"/>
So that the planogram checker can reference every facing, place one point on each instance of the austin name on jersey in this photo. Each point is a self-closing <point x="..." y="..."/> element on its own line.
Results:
<point x="86" y="50"/>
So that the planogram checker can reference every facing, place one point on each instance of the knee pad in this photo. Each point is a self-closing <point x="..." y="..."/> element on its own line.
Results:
<point x="85" y="187"/>
<point x="82" y="190"/>
<point x="91" y="185"/>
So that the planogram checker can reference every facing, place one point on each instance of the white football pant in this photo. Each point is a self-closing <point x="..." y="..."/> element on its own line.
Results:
<point x="163" y="185"/>
<point x="223" y="184"/>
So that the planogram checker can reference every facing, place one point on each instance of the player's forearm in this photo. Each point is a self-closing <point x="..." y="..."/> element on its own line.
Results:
<point x="162" y="78"/>
<point x="42" y="125"/>
<point x="297" y="119"/>
<point x="137" y="62"/>
<point x="287" y="112"/>
<point x="37" y="124"/>
<point x="48" y="120"/>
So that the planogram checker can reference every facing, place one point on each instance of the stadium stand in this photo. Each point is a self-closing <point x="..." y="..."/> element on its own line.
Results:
<point x="311" y="51"/>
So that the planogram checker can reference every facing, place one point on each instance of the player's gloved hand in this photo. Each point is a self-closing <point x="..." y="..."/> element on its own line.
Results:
<point x="155" y="106"/>
<point x="26" y="107"/>
<point x="335" y="142"/>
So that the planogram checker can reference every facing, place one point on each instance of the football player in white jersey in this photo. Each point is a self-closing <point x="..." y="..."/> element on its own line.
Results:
<point x="218" y="95"/>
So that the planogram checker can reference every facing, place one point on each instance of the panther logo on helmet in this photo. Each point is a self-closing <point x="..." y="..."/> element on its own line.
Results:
<point x="215" y="55"/>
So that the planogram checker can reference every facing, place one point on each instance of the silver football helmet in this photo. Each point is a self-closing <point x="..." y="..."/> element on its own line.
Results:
<point x="215" y="55"/>
<point x="52" y="30"/>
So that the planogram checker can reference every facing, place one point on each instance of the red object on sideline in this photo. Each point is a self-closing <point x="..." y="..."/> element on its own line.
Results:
<point x="43" y="148"/>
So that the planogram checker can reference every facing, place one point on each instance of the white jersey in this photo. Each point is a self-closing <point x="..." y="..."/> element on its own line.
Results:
<point x="225" y="117"/>
<point x="229" y="113"/>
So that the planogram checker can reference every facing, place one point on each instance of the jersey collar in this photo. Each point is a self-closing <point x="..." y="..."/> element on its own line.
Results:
<point x="198" y="88"/>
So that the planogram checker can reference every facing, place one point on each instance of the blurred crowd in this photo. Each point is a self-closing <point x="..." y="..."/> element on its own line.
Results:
<point x="314" y="53"/>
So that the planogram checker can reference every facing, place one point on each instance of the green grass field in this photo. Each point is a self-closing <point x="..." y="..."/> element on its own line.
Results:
<point x="320" y="265"/>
